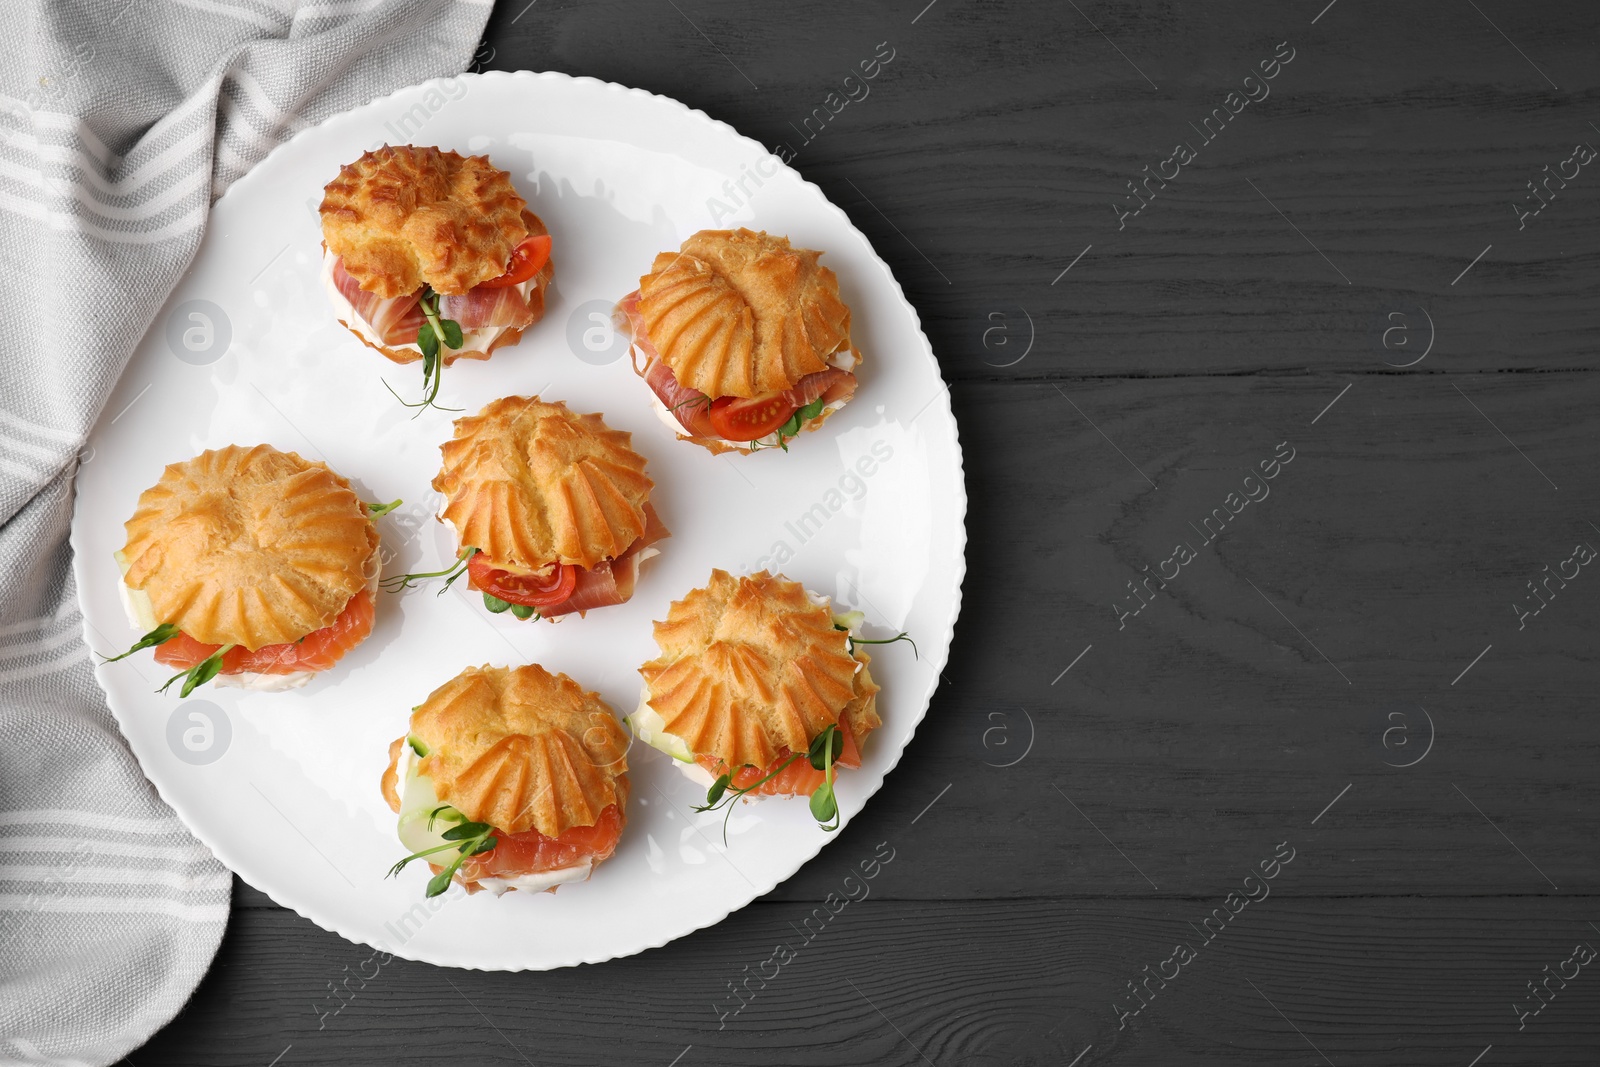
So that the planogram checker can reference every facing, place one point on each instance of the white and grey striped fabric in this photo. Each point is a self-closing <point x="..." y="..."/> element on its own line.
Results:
<point x="120" y="120"/>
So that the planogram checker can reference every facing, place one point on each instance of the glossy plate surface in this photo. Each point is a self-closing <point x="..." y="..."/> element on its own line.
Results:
<point x="283" y="787"/>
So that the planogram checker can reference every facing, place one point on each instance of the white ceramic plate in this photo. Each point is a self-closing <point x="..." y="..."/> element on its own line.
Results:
<point x="283" y="787"/>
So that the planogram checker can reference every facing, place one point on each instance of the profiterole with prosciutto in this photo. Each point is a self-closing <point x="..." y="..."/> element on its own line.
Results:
<point x="744" y="340"/>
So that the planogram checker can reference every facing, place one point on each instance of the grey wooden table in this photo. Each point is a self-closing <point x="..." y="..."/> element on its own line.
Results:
<point x="1269" y="734"/>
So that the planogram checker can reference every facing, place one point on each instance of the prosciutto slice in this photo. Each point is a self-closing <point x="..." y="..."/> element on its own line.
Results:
<point x="394" y="320"/>
<point x="690" y="407"/>
<point x="485" y="307"/>
<point x="831" y="384"/>
<point x="626" y="318"/>
<point x="611" y="581"/>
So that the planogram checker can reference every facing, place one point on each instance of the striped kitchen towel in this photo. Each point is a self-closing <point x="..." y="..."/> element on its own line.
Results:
<point x="120" y="120"/>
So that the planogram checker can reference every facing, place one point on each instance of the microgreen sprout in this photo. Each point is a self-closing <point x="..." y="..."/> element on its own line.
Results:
<point x="824" y="805"/>
<point x="396" y="582"/>
<point x="497" y="606"/>
<point x="851" y="621"/>
<point x="901" y="636"/>
<point x="429" y="337"/>
<point x="200" y="673"/>
<point x="825" y="749"/>
<point x="465" y="838"/>
<point x="796" y="421"/>
<point x="377" y="511"/>
<point x="159" y="636"/>
<point x="698" y="400"/>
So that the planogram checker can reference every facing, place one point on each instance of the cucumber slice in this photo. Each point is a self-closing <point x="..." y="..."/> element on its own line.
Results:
<point x="417" y="745"/>
<point x="136" y="602"/>
<point x="849" y="621"/>
<point x="648" y="724"/>
<point x="417" y="805"/>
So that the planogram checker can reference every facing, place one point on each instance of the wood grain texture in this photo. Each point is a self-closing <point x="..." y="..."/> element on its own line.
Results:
<point x="989" y="152"/>
<point x="1367" y="981"/>
<point x="1339" y="668"/>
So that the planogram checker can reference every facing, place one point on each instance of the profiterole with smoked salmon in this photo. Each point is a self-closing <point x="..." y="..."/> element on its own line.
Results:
<point x="250" y="566"/>
<point x="509" y="779"/>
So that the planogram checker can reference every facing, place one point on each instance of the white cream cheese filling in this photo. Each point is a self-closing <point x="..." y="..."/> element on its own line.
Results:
<point x="697" y="774"/>
<point x="476" y="340"/>
<point x="263" y="683"/>
<point x="844" y="359"/>
<point x="538" y="883"/>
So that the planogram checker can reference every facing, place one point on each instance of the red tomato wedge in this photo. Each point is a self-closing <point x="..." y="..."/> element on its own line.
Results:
<point x="738" y="418"/>
<point x="316" y="651"/>
<point x="531" y="852"/>
<point x="530" y="590"/>
<point x="799" y="779"/>
<point x="751" y="418"/>
<point x="610" y="581"/>
<point x="527" y="259"/>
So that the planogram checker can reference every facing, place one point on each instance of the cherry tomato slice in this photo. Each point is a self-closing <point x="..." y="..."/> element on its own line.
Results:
<point x="530" y="590"/>
<point x="527" y="259"/>
<point x="738" y="418"/>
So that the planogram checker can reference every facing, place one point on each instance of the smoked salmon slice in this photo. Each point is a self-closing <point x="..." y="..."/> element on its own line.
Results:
<point x="799" y="779"/>
<point x="531" y="852"/>
<point x="316" y="651"/>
